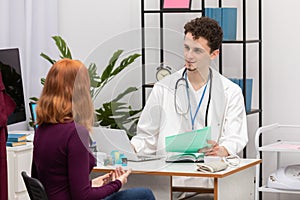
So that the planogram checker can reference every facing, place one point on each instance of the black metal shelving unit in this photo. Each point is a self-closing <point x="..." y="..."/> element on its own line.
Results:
<point x="161" y="25"/>
<point x="244" y="42"/>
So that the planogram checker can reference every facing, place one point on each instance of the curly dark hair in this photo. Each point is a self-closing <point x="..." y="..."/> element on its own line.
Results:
<point x="207" y="28"/>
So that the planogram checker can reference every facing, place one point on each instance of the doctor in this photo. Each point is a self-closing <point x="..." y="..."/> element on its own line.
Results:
<point x="194" y="97"/>
<point x="203" y="98"/>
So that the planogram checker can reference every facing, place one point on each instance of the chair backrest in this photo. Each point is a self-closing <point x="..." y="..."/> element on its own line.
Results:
<point x="34" y="187"/>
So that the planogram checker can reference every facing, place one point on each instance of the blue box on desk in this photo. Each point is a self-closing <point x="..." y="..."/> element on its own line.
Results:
<point x="248" y="97"/>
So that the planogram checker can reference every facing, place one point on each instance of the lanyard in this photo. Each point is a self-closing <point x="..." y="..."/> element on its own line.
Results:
<point x="198" y="107"/>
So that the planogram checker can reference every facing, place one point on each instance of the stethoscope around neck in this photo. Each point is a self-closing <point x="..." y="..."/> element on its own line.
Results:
<point x="184" y="80"/>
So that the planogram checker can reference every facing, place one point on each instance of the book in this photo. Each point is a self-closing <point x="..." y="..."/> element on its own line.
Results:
<point x="14" y="144"/>
<point x="214" y="13"/>
<point x="229" y="23"/>
<point x="16" y="137"/>
<point x="248" y="96"/>
<point x="188" y="142"/>
<point x="226" y="18"/>
<point x="186" y="157"/>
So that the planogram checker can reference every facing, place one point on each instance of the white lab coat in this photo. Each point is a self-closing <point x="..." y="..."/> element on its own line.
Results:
<point x="226" y="116"/>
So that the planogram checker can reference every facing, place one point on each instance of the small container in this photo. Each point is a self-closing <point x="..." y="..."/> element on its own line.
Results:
<point x="123" y="159"/>
<point x="116" y="156"/>
<point x="109" y="160"/>
<point x="100" y="157"/>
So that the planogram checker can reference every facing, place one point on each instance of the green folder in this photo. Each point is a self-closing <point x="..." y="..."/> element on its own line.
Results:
<point x="188" y="142"/>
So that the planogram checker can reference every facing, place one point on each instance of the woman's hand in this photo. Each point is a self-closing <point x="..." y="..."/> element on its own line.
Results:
<point x="214" y="149"/>
<point x="102" y="180"/>
<point x="121" y="175"/>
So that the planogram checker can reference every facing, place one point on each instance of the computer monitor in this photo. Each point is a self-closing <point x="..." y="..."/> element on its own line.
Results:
<point x="12" y="78"/>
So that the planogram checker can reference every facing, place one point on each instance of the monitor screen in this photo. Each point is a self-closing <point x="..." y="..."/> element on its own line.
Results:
<point x="12" y="79"/>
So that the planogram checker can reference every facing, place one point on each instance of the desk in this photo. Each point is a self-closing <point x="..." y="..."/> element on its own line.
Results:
<point x="232" y="183"/>
<point x="18" y="159"/>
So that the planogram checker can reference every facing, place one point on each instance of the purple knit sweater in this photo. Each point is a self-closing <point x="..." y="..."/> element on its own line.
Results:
<point x="62" y="162"/>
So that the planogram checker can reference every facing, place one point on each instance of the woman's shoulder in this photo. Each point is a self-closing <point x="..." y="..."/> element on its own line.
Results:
<point x="67" y="128"/>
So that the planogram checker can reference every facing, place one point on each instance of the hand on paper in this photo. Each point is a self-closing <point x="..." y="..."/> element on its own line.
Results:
<point x="214" y="149"/>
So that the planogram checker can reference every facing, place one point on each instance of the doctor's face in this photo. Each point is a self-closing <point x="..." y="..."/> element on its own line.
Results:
<point x="197" y="53"/>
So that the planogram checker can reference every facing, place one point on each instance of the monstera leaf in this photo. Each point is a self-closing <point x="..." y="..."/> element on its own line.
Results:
<point x="112" y="114"/>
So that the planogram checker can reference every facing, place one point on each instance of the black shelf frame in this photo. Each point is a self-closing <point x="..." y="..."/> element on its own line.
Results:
<point x="244" y="41"/>
<point x="161" y="25"/>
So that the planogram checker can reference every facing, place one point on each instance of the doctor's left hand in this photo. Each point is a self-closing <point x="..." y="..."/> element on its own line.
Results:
<point x="214" y="150"/>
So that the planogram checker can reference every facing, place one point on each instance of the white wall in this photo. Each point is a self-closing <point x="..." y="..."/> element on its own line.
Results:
<point x="87" y="24"/>
<point x="95" y="29"/>
<point x="281" y="72"/>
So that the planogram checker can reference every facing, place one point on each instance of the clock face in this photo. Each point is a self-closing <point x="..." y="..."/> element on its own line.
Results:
<point x="161" y="73"/>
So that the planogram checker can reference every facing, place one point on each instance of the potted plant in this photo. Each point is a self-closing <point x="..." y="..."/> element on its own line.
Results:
<point x="112" y="114"/>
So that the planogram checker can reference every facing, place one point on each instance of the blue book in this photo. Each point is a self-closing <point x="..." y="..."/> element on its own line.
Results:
<point x="235" y="80"/>
<point x="229" y="23"/>
<point x="14" y="144"/>
<point x="214" y="13"/>
<point x="248" y="96"/>
<point x="16" y="137"/>
<point x="208" y="12"/>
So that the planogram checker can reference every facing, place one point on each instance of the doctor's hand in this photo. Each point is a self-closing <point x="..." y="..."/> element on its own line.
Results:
<point x="121" y="175"/>
<point x="102" y="180"/>
<point x="214" y="150"/>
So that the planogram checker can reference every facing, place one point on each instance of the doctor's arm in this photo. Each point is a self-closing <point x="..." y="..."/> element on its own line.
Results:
<point x="145" y="141"/>
<point x="234" y="136"/>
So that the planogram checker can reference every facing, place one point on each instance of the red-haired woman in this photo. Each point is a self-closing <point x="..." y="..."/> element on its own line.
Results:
<point x="61" y="157"/>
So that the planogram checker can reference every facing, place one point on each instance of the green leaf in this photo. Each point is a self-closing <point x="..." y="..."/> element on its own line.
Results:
<point x="107" y="71"/>
<point x="134" y="112"/>
<point x="116" y="115"/>
<point x="33" y="99"/>
<point x="115" y="57"/>
<point x="127" y="91"/>
<point x="43" y="81"/>
<point x="94" y="77"/>
<point x="62" y="47"/>
<point x="125" y="62"/>
<point x="47" y="58"/>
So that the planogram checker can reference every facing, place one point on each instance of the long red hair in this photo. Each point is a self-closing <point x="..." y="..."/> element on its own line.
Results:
<point x="66" y="95"/>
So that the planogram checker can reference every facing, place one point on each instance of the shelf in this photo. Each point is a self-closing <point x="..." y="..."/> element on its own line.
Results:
<point x="148" y="85"/>
<point x="172" y="11"/>
<point x="253" y="111"/>
<point x="240" y="41"/>
<point x="266" y="189"/>
<point x="282" y="146"/>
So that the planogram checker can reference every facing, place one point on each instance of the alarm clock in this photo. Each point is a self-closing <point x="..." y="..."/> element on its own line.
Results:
<point x="162" y="71"/>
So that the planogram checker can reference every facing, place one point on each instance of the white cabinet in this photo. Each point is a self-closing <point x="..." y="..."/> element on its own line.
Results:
<point x="280" y="148"/>
<point x="18" y="159"/>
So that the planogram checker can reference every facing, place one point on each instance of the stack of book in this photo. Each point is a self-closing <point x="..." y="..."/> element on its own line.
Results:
<point x="16" y="139"/>
<point x="227" y="19"/>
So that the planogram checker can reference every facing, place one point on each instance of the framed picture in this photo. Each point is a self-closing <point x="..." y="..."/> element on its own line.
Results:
<point x="176" y="4"/>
